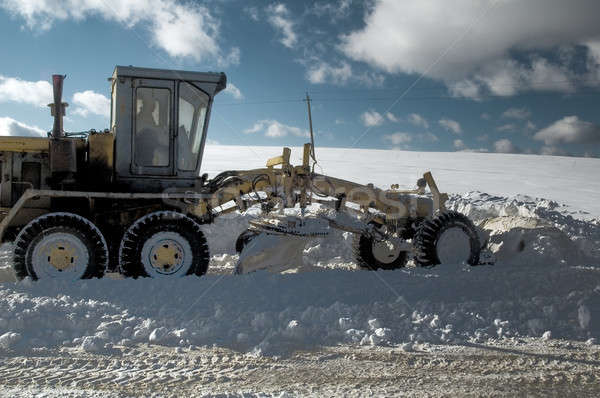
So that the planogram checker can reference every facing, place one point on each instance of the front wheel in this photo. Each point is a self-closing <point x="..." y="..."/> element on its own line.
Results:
<point x="373" y="254"/>
<point x="60" y="246"/>
<point x="164" y="244"/>
<point x="449" y="238"/>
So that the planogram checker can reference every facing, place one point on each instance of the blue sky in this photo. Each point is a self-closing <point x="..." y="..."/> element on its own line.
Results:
<point x="433" y="75"/>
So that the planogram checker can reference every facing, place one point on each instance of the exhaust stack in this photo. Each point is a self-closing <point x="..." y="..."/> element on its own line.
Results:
<point x="57" y="109"/>
<point x="63" y="151"/>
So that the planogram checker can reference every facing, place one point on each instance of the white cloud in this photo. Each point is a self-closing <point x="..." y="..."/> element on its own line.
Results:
<point x="320" y="72"/>
<point x="275" y="129"/>
<point x="338" y="10"/>
<point x="485" y="116"/>
<point x="16" y="90"/>
<point x="418" y="120"/>
<point x="468" y="44"/>
<point x="459" y="145"/>
<point x="451" y="125"/>
<point x="506" y="127"/>
<point x="325" y="73"/>
<point x="180" y="29"/>
<point x="569" y="130"/>
<point x="212" y="142"/>
<point x="398" y="138"/>
<point x="9" y="126"/>
<point x="372" y="119"/>
<point x="391" y="117"/>
<point x="553" y="151"/>
<point x="252" y="13"/>
<point x="91" y="102"/>
<point x="516" y="113"/>
<point x="279" y="18"/>
<point x="505" y="146"/>
<point x="233" y="91"/>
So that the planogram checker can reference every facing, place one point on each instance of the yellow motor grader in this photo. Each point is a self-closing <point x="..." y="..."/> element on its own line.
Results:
<point x="132" y="199"/>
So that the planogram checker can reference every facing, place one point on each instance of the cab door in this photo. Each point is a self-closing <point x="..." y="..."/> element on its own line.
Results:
<point x="153" y="133"/>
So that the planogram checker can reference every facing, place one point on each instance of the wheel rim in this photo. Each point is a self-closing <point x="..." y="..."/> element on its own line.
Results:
<point x="386" y="251"/>
<point x="60" y="255"/>
<point x="166" y="254"/>
<point x="453" y="246"/>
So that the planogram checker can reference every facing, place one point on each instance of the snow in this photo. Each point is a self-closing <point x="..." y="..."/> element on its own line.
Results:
<point x="540" y="215"/>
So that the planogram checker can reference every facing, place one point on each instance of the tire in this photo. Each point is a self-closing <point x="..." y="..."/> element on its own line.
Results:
<point x="243" y="239"/>
<point x="366" y="253"/>
<point x="429" y="239"/>
<point x="164" y="244"/>
<point x="61" y="246"/>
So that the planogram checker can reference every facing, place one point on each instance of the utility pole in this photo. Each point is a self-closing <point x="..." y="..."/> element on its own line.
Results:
<point x="312" y="137"/>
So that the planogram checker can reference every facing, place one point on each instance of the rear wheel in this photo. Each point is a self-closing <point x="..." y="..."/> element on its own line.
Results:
<point x="164" y="244"/>
<point x="62" y="246"/>
<point x="449" y="238"/>
<point x="373" y="254"/>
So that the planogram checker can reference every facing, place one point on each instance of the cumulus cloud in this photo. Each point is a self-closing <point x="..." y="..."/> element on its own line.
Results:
<point x="391" y="117"/>
<point x="469" y="44"/>
<point x="233" y="91"/>
<point x="568" y="130"/>
<point x="418" y="120"/>
<point x="16" y="90"/>
<point x="326" y="73"/>
<point x="338" y="10"/>
<point x="90" y="102"/>
<point x="279" y="18"/>
<point x="451" y="125"/>
<point x="459" y="145"/>
<point x="372" y="119"/>
<point x="9" y="126"/>
<point x="398" y="138"/>
<point x="505" y="146"/>
<point x="509" y="127"/>
<point x="275" y="129"/>
<point x="516" y="113"/>
<point x="181" y="29"/>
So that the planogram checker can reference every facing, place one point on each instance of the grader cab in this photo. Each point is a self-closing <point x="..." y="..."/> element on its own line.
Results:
<point x="132" y="199"/>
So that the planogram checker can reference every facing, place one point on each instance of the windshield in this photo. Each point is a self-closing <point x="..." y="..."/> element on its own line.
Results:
<point x="193" y="104"/>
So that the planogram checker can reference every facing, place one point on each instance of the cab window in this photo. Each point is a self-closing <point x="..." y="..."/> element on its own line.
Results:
<point x="193" y="104"/>
<point x="152" y="122"/>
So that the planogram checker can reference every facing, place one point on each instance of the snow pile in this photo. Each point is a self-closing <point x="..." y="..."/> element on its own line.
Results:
<point x="264" y="313"/>
<point x="559" y="234"/>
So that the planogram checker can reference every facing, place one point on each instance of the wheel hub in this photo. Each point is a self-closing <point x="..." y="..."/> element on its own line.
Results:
<point x="453" y="246"/>
<point x="60" y="253"/>
<point x="167" y="256"/>
<point x="61" y="256"/>
<point x="387" y="251"/>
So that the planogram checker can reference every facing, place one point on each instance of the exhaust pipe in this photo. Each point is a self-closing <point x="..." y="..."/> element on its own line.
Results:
<point x="57" y="109"/>
<point x="63" y="151"/>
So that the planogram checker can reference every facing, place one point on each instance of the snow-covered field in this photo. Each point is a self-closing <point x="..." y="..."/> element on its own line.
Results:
<point x="527" y="325"/>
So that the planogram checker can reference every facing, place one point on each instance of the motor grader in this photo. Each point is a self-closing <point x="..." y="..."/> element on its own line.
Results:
<point x="132" y="199"/>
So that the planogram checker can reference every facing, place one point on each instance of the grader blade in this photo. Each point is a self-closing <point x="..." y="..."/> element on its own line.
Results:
<point x="272" y="252"/>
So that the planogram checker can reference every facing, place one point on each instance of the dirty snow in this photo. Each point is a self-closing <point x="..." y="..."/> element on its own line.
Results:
<point x="545" y="285"/>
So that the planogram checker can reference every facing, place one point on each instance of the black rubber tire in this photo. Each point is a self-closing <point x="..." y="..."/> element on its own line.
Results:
<point x="429" y="231"/>
<point x="363" y="254"/>
<point x="162" y="221"/>
<point x="68" y="223"/>
<point x="243" y="239"/>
